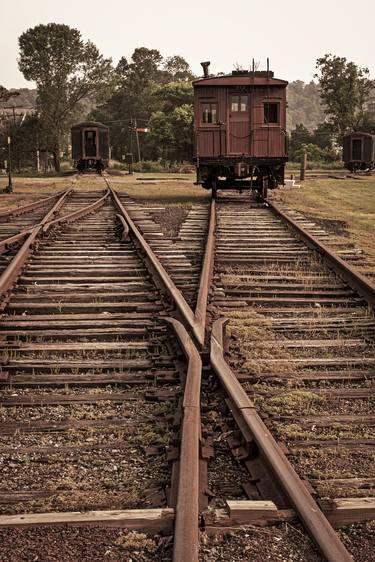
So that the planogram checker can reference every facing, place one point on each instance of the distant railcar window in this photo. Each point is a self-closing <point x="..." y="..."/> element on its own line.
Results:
<point x="209" y="113"/>
<point x="357" y="149"/>
<point x="238" y="103"/>
<point x="90" y="143"/>
<point x="271" y="112"/>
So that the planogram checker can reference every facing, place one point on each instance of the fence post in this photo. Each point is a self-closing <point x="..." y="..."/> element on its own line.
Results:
<point x="303" y="166"/>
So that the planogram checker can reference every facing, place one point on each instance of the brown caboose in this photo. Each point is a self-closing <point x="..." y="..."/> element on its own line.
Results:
<point x="240" y="130"/>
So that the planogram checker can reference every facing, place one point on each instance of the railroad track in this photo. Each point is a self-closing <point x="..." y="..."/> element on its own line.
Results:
<point x="16" y="224"/>
<point x="301" y="366"/>
<point x="112" y="369"/>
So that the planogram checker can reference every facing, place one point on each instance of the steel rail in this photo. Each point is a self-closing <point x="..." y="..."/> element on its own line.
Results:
<point x="307" y="509"/>
<point x="77" y="214"/>
<point x="194" y="320"/>
<point x="159" y="272"/>
<point x="30" y="206"/>
<point x="125" y="228"/>
<point x="13" y="270"/>
<point x="206" y="274"/>
<point x="186" y="534"/>
<point x="350" y="274"/>
<point x="7" y="242"/>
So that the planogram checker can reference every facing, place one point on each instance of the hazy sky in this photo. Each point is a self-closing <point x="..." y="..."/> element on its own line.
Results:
<point x="293" y="34"/>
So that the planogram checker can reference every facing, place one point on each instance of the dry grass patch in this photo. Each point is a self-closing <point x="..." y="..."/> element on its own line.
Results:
<point x="349" y="201"/>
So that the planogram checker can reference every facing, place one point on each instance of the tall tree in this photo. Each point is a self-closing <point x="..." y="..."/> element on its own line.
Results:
<point x="344" y="89"/>
<point x="298" y="137"/>
<point x="323" y="135"/>
<point x="172" y="125"/>
<point x="67" y="71"/>
<point x="5" y="95"/>
<point x="147" y="86"/>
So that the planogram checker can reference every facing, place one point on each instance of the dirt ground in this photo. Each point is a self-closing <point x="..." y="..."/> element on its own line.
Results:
<point x="154" y="188"/>
<point x="86" y="544"/>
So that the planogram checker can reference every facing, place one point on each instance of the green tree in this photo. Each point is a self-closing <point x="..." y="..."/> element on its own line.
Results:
<point x="5" y="95"/>
<point x="67" y="71"/>
<point x="298" y="137"/>
<point x="323" y="135"/>
<point x="177" y="69"/>
<point x="172" y="125"/>
<point x="344" y="89"/>
<point x="148" y="89"/>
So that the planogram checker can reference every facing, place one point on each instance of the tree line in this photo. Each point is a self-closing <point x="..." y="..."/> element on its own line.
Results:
<point x="75" y="82"/>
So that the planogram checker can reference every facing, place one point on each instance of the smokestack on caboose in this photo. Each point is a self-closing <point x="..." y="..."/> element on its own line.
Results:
<point x="206" y="67"/>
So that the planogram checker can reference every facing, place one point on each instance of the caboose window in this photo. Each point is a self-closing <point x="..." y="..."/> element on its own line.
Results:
<point x="209" y="113"/>
<point x="271" y="112"/>
<point x="356" y="149"/>
<point x="90" y="143"/>
<point x="238" y="103"/>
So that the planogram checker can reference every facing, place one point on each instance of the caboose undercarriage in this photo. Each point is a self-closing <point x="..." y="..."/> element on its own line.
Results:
<point x="90" y="165"/>
<point x="240" y="173"/>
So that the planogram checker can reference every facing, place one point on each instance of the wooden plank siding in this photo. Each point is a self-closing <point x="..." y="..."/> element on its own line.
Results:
<point x="245" y="134"/>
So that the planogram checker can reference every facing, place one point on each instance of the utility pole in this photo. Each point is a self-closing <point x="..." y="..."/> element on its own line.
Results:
<point x="9" y="188"/>
<point x="37" y="153"/>
<point x="303" y="166"/>
<point x="131" y="134"/>
<point x="137" y="138"/>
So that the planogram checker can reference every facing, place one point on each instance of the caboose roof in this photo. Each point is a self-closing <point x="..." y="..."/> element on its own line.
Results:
<point x="359" y="134"/>
<point x="85" y="124"/>
<point x="244" y="80"/>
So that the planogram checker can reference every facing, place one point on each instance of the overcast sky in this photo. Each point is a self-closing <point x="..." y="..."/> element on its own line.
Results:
<point x="293" y="34"/>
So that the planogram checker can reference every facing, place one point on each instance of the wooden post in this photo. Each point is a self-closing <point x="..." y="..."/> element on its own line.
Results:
<point x="137" y="139"/>
<point x="303" y="166"/>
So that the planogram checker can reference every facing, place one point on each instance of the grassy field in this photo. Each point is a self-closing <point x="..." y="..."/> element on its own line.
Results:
<point x="175" y="189"/>
<point x="349" y="201"/>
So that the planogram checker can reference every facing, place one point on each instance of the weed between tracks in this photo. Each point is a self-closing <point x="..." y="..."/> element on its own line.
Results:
<point x="283" y="542"/>
<point x="335" y="462"/>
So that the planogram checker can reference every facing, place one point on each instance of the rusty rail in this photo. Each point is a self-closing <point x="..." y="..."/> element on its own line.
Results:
<point x="186" y="535"/>
<point x="158" y="271"/>
<point x="312" y="517"/>
<point x="206" y="274"/>
<point x="351" y="275"/>
<point x="7" y="242"/>
<point x="125" y="228"/>
<point x="196" y="321"/>
<point x="11" y="273"/>
<point x="30" y="206"/>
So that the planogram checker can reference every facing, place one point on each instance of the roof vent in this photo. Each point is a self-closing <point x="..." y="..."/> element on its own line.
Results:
<point x="240" y="72"/>
<point x="206" y="66"/>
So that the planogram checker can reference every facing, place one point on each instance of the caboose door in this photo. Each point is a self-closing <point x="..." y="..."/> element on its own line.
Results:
<point x="239" y="126"/>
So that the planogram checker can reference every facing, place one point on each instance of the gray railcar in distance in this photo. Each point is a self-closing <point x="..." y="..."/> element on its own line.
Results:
<point x="359" y="151"/>
<point x="90" y="146"/>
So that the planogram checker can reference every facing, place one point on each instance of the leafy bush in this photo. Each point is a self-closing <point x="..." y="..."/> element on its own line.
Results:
<point x="150" y="166"/>
<point x="316" y="154"/>
<point x="144" y="166"/>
